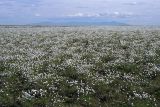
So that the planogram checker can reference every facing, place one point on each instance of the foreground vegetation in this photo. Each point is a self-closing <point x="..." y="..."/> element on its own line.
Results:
<point x="79" y="67"/>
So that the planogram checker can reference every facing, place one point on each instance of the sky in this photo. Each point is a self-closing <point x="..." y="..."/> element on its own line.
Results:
<point x="134" y="12"/>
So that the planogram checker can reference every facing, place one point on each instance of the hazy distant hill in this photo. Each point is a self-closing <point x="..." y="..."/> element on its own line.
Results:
<point x="80" y="22"/>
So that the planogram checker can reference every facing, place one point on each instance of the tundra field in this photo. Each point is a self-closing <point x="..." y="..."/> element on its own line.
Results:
<point x="79" y="66"/>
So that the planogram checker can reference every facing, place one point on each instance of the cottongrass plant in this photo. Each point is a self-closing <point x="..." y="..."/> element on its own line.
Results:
<point x="79" y="66"/>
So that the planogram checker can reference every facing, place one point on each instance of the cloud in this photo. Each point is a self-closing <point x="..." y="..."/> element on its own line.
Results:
<point x="20" y="8"/>
<point x="134" y="3"/>
<point x="19" y="4"/>
<point x="7" y="3"/>
<point x="82" y="7"/>
<point x="115" y="14"/>
<point x="48" y="9"/>
<point x="37" y="14"/>
<point x="33" y="5"/>
<point x="83" y="15"/>
<point x="131" y="3"/>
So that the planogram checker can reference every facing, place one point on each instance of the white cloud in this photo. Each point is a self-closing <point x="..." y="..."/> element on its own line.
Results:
<point x="83" y="15"/>
<point x="122" y="14"/>
<point x="77" y="15"/>
<point x="115" y="14"/>
<point x="131" y="3"/>
<point x="37" y="14"/>
<point x="33" y="5"/>
<point x="47" y="9"/>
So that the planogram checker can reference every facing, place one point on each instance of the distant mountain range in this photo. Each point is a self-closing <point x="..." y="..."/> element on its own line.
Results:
<point x="79" y="22"/>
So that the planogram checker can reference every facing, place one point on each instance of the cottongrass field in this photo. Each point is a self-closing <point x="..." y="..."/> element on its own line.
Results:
<point x="79" y="66"/>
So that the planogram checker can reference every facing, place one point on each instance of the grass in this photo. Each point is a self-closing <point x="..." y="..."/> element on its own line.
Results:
<point x="79" y="67"/>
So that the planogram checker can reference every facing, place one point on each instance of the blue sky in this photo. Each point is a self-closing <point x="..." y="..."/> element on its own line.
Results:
<point x="135" y="12"/>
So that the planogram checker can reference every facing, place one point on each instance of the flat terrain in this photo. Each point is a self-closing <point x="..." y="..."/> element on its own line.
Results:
<point x="79" y="66"/>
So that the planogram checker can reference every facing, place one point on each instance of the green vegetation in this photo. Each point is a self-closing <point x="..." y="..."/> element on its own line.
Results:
<point x="79" y="67"/>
